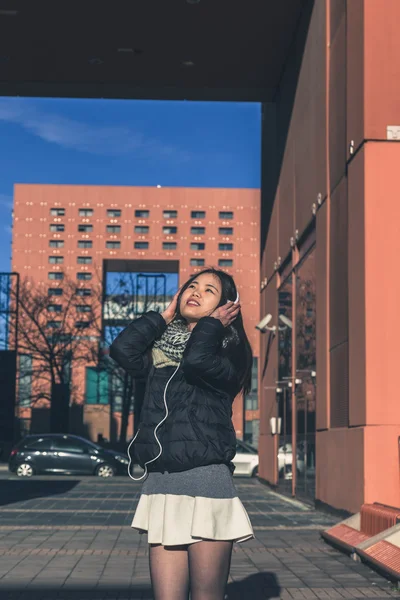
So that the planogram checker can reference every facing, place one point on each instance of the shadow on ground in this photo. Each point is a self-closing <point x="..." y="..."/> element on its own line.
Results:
<point x="260" y="586"/>
<point x="15" y="490"/>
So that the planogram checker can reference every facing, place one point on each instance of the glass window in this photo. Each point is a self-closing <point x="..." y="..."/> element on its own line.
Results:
<point x="141" y="245"/>
<point x="83" y="308"/>
<point x="96" y="389"/>
<point x="197" y="230"/>
<point x="85" y="244"/>
<point x="39" y="443"/>
<point x="142" y="214"/>
<point x="170" y="230"/>
<point x="82" y="324"/>
<point x="57" y="212"/>
<point x="84" y="260"/>
<point x="85" y="212"/>
<point x="225" y="230"/>
<point x="113" y="229"/>
<point x="251" y="400"/>
<point x="56" y="275"/>
<point x="142" y="229"/>
<point x="25" y="380"/>
<point x="170" y="214"/>
<point x="55" y="227"/>
<point x="225" y="262"/>
<point x="113" y="245"/>
<point x="54" y="308"/>
<point x="225" y="247"/>
<point x="113" y="212"/>
<point x="197" y="262"/>
<point x="225" y="214"/>
<point x="84" y="276"/>
<point x="54" y="324"/>
<point x="169" y="245"/>
<point x="84" y="292"/>
<point x="198" y="214"/>
<point x="56" y="260"/>
<point x="68" y="444"/>
<point x="56" y="243"/>
<point x="55" y="291"/>
<point x="197" y="246"/>
<point x="85" y="228"/>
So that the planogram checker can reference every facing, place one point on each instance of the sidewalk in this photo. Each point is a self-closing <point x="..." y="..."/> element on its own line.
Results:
<point x="70" y="537"/>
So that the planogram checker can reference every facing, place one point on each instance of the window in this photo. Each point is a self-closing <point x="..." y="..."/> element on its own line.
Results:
<point x="85" y="228"/>
<point x="197" y="246"/>
<point x="86" y="212"/>
<point x="25" y="380"/>
<point x="198" y="214"/>
<point x="84" y="292"/>
<point x="225" y="247"/>
<point x="225" y="214"/>
<point x="113" y="229"/>
<point x="226" y="230"/>
<point x="55" y="292"/>
<point x="67" y="444"/>
<point x="142" y="214"/>
<point x="85" y="244"/>
<point x="56" y="260"/>
<point x="197" y="230"/>
<point x="54" y="227"/>
<point x="82" y="324"/>
<point x="142" y="229"/>
<point x="84" y="276"/>
<point x="41" y="443"/>
<point x="54" y="324"/>
<point x="57" y="212"/>
<point x="197" y="262"/>
<point x="84" y="260"/>
<point x="54" y="308"/>
<point x="169" y="230"/>
<point x="113" y="212"/>
<point x="56" y="275"/>
<point x="251" y="400"/>
<point x="170" y="214"/>
<point x="83" y="308"/>
<point x="169" y="245"/>
<point x="112" y="245"/>
<point x="56" y="243"/>
<point x="141" y="245"/>
<point x="225" y="262"/>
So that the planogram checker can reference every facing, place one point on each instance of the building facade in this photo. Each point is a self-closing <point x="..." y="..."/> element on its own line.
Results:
<point x="78" y="232"/>
<point x="330" y="230"/>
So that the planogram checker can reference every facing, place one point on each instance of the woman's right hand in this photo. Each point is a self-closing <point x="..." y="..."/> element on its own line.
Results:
<point x="169" y="312"/>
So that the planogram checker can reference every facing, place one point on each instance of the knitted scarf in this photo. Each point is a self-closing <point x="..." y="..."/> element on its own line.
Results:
<point x="169" y="348"/>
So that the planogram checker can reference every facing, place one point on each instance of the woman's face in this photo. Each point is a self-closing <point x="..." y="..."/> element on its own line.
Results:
<point x="201" y="297"/>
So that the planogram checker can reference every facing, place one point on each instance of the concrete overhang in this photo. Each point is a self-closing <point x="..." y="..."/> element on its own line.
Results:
<point x="154" y="49"/>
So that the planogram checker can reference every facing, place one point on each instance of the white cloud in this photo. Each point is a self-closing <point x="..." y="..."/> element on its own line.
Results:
<point x="76" y="135"/>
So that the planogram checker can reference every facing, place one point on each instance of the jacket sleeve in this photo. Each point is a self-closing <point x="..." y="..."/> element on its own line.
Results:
<point x="202" y="362"/>
<point x="130" y="347"/>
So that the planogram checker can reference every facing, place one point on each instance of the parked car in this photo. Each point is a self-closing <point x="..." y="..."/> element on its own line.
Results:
<point x="64" y="454"/>
<point x="285" y="461"/>
<point x="245" y="460"/>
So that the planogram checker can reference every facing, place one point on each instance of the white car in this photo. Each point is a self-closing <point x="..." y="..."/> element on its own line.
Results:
<point x="285" y="462"/>
<point x="245" y="460"/>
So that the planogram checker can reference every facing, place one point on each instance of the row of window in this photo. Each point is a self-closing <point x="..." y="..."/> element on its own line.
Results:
<point x="226" y="247"/>
<point x="78" y="292"/>
<point x="78" y="324"/>
<point x="57" y="308"/>
<point x="141" y="214"/>
<point x="194" y="262"/>
<point x="167" y="230"/>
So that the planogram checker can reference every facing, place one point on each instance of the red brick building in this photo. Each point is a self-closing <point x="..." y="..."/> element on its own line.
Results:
<point x="72" y="230"/>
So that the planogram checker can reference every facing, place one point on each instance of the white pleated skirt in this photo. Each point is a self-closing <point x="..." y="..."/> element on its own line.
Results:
<point x="191" y="506"/>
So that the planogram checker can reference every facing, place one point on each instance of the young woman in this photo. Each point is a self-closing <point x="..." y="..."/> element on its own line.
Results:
<point x="196" y="358"/>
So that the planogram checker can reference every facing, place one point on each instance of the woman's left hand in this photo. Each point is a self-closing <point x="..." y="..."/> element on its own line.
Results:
<point x="226" y="313"/>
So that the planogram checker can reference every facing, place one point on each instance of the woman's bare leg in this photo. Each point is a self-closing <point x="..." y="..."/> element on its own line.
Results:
<point x="169" y="572"/>
<point x="209" y="564"/>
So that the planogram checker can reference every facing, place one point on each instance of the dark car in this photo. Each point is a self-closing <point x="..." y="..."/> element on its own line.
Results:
<point x="64" y="454"/>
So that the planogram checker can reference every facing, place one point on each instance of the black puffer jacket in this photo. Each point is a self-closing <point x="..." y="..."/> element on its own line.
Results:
<point x="198" y="430"/>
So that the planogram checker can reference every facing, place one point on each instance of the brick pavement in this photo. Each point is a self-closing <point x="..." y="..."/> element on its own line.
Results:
<point x="70" y="537"/>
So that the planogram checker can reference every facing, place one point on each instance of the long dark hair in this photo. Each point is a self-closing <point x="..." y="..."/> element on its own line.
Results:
<point x="238" y="346"/>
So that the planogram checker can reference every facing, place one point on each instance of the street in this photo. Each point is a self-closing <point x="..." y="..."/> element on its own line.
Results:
<point x="70" y="537"/>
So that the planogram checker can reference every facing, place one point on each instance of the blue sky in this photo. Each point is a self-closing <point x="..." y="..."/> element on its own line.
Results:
<point x="124" y="142"/>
